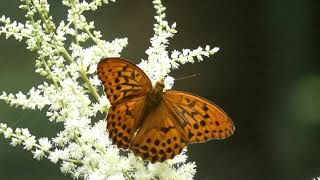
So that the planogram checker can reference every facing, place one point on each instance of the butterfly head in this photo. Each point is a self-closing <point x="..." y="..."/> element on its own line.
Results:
<point x="159" y="86"/>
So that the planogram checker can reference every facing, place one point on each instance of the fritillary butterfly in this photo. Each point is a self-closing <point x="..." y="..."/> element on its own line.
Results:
<point x="156" y="125"/>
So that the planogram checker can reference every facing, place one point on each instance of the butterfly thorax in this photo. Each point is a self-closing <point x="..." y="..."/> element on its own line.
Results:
<point x="154" y="97"/>
<point x="153" y="100"/>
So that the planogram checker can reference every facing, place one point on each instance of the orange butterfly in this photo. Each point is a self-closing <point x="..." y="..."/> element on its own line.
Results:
<point x="156" y="125"/>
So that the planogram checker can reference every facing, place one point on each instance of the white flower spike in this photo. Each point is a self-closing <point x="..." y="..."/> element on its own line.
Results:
<point x="70" y="95"/>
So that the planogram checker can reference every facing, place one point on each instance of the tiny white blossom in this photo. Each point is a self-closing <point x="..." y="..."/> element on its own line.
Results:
<point x="57" y="154"/>
<point x="8" y="133"/>
<point x="38" y="154"/>
<point x="67" y="167"/>
<point x="45" y="144"/>
<point x="18" y="131"/>
<point x="3" y="126"/>
<point x="29" y="143"/>
<point x="168" y="82"/>
<point x="15" y="142"/>
<point x="75" y="151"/>
<point x="25" y="132"/>
<point x="214" y="50"/>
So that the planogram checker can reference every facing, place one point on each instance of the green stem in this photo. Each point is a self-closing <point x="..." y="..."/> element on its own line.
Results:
<point x="83" y="75"/>
<point x="13" y="33"/>
<point x="125" y="173"/>
<point x="96" y="40"/>
<point x="91" y="88"/>
<point x="44" y="18"/>
<point x="55" y="83"/>
<point x="76" y="35"/>
<point x="76" y="138"/>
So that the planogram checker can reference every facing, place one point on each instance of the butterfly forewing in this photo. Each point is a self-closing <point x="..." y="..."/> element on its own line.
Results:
<point x="158" y="138"/>
<point x="122" y="80"/>
<point x="204" y="120"/>
<point x="123" y="121"/>
<point x="125" y="86"/>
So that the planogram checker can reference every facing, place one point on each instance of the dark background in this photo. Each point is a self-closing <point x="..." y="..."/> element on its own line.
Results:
<point x="266" y="77"/>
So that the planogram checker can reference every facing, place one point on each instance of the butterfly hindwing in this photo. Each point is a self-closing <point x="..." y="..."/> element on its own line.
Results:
<point x="204" y="120"/>
<point x="158" y="139"/>
<point x="122" y="80"/>
<point x="123" y="121"/>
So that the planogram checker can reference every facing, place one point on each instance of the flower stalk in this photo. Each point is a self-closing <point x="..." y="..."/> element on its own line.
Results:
<point x="69" y="61"/>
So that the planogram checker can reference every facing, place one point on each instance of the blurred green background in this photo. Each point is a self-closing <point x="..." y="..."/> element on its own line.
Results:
<point x="266" y="77"/>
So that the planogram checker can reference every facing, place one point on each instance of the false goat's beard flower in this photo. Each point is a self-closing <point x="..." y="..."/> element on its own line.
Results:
<point x="70" y="94"/>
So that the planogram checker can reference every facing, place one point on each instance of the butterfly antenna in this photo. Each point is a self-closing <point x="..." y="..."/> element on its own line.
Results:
<point x="186" y="77"/>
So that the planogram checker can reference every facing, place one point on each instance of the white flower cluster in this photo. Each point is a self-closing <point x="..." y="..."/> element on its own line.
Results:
<point x="70" y="94"/>
<point x="158" y="56"/>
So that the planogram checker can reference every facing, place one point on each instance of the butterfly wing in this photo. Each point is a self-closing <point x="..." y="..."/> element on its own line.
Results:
<point x="122" y="80"/>
<point x="125" y="85"/>
<point x="201" y="119"/>
<point x="123" y="121"/>
<point x="159" y="138"/>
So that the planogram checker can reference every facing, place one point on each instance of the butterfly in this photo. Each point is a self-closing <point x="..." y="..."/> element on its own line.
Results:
<point x="154" y="124"/>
